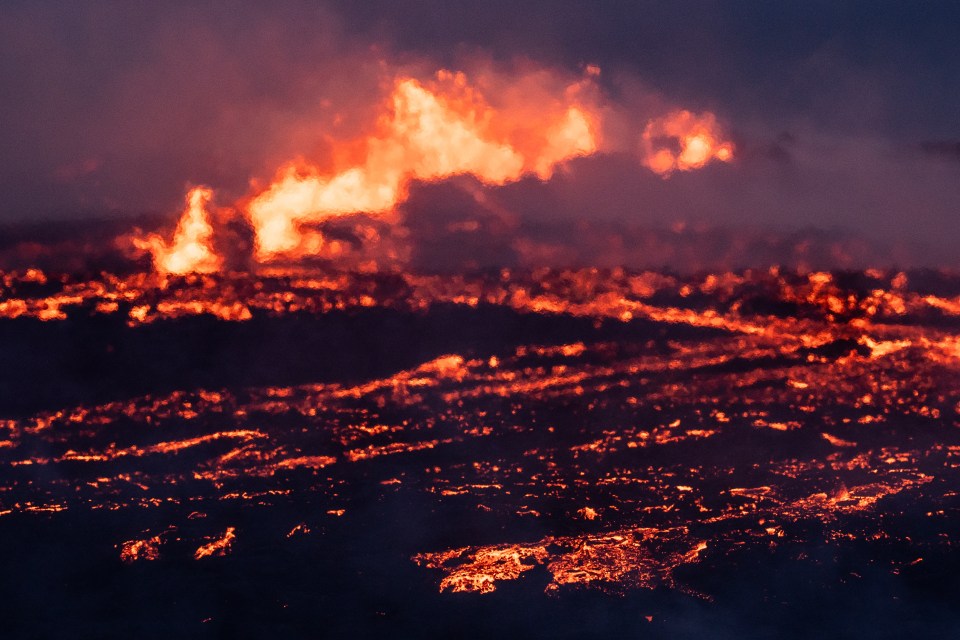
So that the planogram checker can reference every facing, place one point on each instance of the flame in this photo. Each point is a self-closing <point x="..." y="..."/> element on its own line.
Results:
<point x="429" y="131"/>
<point x="425" y="134"/>
<point x="682" y="141"/>
<point x="837" y="391"/>
<point x="191" y="250"/>
<point x="219" y="547"/>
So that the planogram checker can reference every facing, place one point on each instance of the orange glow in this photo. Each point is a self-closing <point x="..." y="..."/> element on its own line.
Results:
<point x="218" y="547"/>
<point x="134" y="550"/>
<point x="191" y="250"/>
<point x="425" y="133"/>
<point x="497" y="128"/>
<point x="682" y="141"/>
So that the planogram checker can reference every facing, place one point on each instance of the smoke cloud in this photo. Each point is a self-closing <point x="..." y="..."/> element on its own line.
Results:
<point x="117" y="109"/>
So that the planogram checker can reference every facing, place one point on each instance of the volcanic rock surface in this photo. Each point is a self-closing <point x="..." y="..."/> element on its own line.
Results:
<point x="540" y="453"/>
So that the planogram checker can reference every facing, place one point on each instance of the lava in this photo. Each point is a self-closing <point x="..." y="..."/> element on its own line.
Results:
<point x="425" y="133"/>
<point x="609" y="441"/>
<point x="683" y="141"/>
<point x="218" y="547"/>
<point x="191" y="250"/>
<point x="429" y="131"/>
<point x="134" y="550"/>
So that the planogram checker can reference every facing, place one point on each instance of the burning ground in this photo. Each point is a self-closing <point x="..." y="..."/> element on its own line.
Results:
<point x="649" y="451"/>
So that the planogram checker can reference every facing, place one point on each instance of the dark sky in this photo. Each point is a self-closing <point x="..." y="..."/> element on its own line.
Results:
<point x="845" y="113"/>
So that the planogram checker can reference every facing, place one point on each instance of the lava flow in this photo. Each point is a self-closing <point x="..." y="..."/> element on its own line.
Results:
<point x="692" y="420"/>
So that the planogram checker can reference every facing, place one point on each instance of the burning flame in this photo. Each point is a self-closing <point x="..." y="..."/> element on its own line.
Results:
<point x="429" y="131"/>
<point x="219" y="547"/>
<point x="191" y="250"/>
<point x="682" y="141"/>
<point x="425" y="134"/>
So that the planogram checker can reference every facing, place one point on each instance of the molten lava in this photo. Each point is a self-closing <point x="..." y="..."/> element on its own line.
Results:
<point x="191" y="250"/>
<point x="847" y="385"/>
<point x="424" y="135"/>
<point x="430" y="131"/>
<point x="682" y="141"/>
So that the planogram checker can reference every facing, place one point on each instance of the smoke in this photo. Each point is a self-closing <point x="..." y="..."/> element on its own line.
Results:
<point x="458" y="225"/>
<point x="119" y="109"/>
<point x="779" y="181"/>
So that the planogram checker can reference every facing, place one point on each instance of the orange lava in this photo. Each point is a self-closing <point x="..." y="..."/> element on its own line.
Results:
<point x="682" y="141"/>
<point x="191" y="250"/>
<point x="497" y="131"/>
<point x="219" y="547"/>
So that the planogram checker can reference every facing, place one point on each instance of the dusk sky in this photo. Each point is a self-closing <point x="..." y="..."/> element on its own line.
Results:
<point x="844" y="114"/>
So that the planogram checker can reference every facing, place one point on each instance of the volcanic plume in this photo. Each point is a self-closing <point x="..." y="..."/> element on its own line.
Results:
<point x="429" y="131"/>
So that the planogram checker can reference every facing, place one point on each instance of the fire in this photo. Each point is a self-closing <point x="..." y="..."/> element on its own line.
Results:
<point x="191" y="250"/>
<point x="218" y="547"/>
<point x="424" y="134"/>
<point x="682" y="141"/>
<point x="429" y="131"/>
<point x="134" y="550"/>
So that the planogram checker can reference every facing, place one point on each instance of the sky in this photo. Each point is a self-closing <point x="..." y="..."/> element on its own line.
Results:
<point x="844" y="113"/>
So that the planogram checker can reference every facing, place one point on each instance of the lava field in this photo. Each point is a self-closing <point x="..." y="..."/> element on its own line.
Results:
<point x="538" y="453"/>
